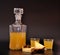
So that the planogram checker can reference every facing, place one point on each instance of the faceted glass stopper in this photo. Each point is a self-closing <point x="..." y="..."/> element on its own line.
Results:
<point x="18" y="10"/>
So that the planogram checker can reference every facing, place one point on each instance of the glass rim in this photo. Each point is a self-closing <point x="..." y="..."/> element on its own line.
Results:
<point x="49" y="39"/>
<point x="35" y="38"/>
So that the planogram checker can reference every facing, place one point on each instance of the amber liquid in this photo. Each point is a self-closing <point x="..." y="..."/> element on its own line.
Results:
<point x="33" y="42"/>
<point x="17" y="40"/>
<point x="48" y="44"/>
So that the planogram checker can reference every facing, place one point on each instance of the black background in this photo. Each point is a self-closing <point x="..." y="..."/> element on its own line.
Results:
<point x="42" y="18"/>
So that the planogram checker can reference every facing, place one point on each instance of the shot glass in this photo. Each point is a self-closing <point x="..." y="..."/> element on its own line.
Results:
<point x="32" y="41"/>
<point x="48" y="43"/>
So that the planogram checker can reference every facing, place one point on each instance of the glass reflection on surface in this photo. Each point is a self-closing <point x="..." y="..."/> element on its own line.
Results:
<point x="48" y="52"/>
<point x="15" y="52"/>
<point x="18" y="53"/>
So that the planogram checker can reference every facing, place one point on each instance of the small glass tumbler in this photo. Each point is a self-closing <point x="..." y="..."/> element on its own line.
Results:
<point x="32" y="41"/>
<point x="48" y="43"/>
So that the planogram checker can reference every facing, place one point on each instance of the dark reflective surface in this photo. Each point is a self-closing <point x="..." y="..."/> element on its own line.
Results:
<point x="4" y="50"/>
<point x="48" y="52"/>
<point x="15" y="53"/>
